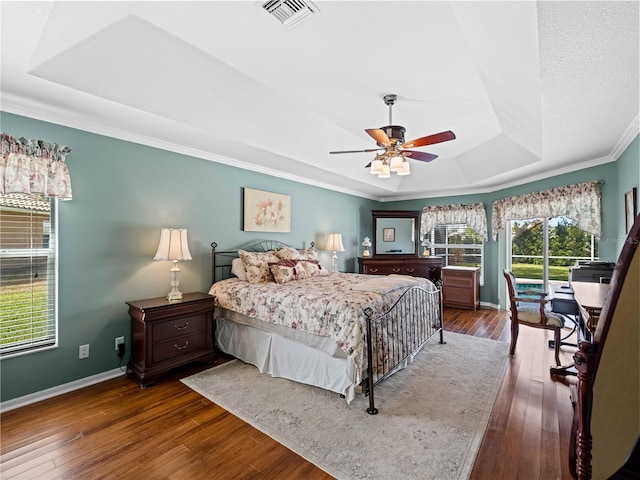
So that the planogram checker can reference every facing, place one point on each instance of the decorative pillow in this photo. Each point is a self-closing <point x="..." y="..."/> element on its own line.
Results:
<point x="314" y="268"/>
<point x="290" y="253"/>
<point x="237" y="269"/>
<point x="256" y="264"/>
<point x="287" y="270"/>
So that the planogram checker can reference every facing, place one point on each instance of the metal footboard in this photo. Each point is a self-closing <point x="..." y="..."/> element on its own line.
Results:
<point x="397" y="335"/>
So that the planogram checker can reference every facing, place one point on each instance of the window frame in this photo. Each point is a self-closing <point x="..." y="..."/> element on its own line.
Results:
<point x="51" y="341"/>
<point x="448" y="246"/>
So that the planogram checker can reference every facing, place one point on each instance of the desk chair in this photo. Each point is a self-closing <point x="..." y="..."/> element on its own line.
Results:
<point x="532" y="316"/>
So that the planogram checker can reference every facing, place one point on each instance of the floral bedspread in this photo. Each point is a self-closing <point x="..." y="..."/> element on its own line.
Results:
<point x="322" y="305"/>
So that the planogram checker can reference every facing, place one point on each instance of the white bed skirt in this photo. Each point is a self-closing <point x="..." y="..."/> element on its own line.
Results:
<point x="287" y="358"/>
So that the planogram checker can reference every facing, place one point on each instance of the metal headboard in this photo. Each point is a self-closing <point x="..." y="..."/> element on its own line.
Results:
<point x="221" y="260"/>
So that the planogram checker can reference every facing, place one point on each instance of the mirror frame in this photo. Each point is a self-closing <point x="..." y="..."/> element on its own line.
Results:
<point x="414" y="214"/>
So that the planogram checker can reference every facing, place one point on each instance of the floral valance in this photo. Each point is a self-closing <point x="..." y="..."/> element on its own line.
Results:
<point x="34" y="166"/>
<point x="580" y="202"/>
<point x="473" y="215"/>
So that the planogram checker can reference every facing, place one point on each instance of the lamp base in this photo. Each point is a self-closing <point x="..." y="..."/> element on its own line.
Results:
<point x="174" y="295"/>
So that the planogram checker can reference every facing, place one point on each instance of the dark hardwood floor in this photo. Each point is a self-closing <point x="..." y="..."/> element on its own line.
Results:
<point x="167" y="431"/>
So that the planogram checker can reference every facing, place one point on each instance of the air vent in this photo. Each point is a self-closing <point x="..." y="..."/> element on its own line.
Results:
<point x="290" y="12"/>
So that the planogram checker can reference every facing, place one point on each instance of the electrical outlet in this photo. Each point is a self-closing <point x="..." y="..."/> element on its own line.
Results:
<point x="120" y="347"/>
<point x="84" y="351"/>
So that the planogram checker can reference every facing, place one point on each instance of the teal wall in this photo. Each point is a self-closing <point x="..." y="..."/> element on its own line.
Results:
<point x="628" y="178"/>
<point x="123" y="193"/>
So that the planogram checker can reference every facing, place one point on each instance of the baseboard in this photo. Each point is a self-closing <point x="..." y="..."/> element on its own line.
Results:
<point x="59" y="390"/>
<point x="489" y="305"/>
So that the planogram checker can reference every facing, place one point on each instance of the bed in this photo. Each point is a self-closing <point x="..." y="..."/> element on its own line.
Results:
<point x="280" y="310"/>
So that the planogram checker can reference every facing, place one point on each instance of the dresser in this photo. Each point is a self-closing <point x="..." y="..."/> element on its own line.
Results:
<point x="165" y="335"/>
<point x="461" y="287"/>
<point x="427" y="267"/>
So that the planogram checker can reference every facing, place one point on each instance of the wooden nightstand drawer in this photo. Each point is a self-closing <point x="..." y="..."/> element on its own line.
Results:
<point x="177" y="346"/>
<point x="458" y="281"/>
<point x="457" y="295"/>
<point x="177" y="327"/>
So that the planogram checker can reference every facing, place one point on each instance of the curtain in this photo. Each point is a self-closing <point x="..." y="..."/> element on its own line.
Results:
<point x="34" y="166"/>
<point x="473" y="215"/>
<point x="580" y="202"/>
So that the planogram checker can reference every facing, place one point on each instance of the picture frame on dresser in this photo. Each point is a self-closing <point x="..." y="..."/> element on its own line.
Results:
<point x="388" y="234"/>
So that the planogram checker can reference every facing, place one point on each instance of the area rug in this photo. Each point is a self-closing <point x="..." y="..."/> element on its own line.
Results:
<point x="432" y="415"/>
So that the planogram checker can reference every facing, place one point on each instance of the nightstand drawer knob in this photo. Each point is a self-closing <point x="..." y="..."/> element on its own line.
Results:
<point x="186" y="344"/>
<point x="183" y="327"/>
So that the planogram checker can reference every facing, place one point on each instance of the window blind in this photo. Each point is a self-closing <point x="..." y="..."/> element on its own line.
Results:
<point x="27" y="272"/>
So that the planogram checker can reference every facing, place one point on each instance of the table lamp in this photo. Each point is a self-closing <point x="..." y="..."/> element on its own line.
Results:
<point x="173" y="246"/>
<point x="334" y="244"/>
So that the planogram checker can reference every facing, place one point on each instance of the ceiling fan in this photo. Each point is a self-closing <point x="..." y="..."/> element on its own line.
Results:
<point x="392" y="149"/>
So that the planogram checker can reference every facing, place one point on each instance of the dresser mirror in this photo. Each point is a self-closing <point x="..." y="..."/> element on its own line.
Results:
<point x="396" y="232"/>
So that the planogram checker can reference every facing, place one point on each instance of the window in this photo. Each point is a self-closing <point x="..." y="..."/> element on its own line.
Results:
<point x="543" y="249"/>
<point x="27" y="273"/>
<point x="458" y="245"/>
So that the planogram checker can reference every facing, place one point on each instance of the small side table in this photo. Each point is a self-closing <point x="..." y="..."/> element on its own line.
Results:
<point x="461" y="287"/>
<point x="166" y="335"/>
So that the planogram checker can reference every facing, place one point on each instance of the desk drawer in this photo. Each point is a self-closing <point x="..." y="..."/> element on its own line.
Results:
<point x="177" y="327"/>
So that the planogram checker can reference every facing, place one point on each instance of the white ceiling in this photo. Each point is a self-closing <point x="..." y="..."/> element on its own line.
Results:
<point x="531" y="89"/>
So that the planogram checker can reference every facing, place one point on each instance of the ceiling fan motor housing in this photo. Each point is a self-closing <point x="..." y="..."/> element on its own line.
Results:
<point x="394" y="132"/>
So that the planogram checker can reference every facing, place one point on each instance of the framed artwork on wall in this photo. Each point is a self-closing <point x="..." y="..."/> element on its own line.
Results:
<point x="630" y="208"/>
<point x="388" y="234"/>
<point x="266" y="211"/>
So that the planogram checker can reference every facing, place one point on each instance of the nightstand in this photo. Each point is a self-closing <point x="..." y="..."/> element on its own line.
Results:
<point x="166" y="335"/>
<point x="461" y="287"/>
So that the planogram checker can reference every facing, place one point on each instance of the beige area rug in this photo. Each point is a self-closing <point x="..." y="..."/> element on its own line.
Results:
<point x="432" y="415"/>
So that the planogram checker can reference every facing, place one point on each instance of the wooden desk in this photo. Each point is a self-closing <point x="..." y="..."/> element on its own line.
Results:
<point x="590" y="297"/>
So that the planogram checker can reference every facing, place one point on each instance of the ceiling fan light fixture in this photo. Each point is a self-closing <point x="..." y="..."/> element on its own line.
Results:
<point x="404" y="170"/>
<point x="396" y="163"/>
<point x="385" y="172"/>
<point x="376" y="167"/>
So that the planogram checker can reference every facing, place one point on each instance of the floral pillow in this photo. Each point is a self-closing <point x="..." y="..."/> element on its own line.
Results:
<point x="287" y="270"/>
<point x="290" y="253"/>
<point x="256" y="265"/>
<point x="314" y="268"/>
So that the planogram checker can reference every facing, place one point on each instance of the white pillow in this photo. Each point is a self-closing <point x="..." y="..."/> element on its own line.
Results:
<point x="237" y="269"/>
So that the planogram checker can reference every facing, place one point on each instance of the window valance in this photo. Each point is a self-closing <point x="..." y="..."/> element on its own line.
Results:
<point x="34" y="166"/>
<point x="473" y="215"/>
<point x="580" y="202"/>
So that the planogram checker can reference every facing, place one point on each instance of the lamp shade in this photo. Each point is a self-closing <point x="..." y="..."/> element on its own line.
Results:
<point x="173" y="245"/>
<point x="366" y="242"/>
<point x="395" y="164"/>
<point x="405" y="169"/>
<point x="376" y="167"/>
<point x="334" y="242"/>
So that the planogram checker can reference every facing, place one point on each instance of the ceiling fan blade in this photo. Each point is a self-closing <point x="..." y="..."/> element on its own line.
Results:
<point x="430" y="139"/>
<point x="422" y="156"/>
<point x="358" y="151"/>
<point x="379" y="136"/>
